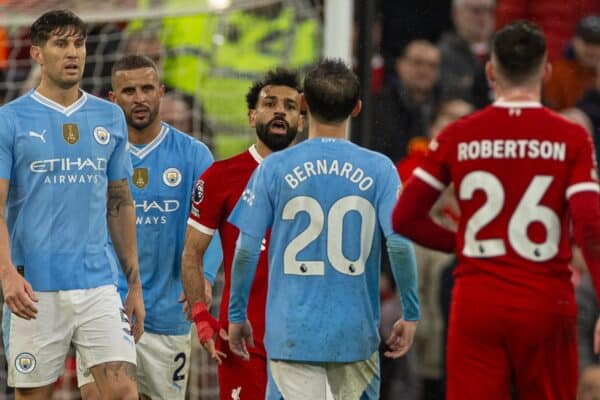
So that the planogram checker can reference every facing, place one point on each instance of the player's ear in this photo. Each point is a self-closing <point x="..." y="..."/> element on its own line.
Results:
<point x="161" y="90"/>
<point x="303" y="104"/>
<point x="489" y="72"/>
<point x="111" y="96"/>
<point x="36" y="54"/>
<point x="357" y="108"/>
<point x="252" y="118"/>
<point x="547" y="73"/>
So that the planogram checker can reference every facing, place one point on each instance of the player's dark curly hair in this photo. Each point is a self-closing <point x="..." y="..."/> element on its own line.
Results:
<point x="56" y="22"/>
<point x="519" y="48"/>
<point x="277" y="77"/>
<point x="331" y="90"/>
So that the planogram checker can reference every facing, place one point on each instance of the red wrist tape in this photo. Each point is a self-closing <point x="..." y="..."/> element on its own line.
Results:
<point x="206" y="324"/>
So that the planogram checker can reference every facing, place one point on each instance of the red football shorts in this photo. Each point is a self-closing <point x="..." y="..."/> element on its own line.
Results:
<point x="247" y="379"/>
<point x="493" y="348"/>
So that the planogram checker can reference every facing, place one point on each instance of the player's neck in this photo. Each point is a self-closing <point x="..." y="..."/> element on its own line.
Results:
<point x="262" y="149"/>
<point x="519" y="93"/>
<point x="146" y="135"/>
<point x="64" y="97"/>
<point x="320" y="129"/>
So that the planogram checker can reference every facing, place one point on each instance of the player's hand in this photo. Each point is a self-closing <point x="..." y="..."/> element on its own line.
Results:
<point x="186" y="306"/>
<point x="206" y="326"/>
<point x="239" y="336"/>
<point x="18" y="294"/>
<point x="135" y="310"/>
<point x="597" y="337"/>
<point x="401" y="338"/>
<point x="207" y="293"/>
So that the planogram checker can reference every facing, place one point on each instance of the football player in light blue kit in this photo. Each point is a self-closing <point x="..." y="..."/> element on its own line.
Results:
<point x="166" y="164"/>
<point x="328" y="203"/>
<point x="63" y="187"/>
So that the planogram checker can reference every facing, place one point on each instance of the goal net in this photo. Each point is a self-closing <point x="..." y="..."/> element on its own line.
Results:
<point x="209" y="52"/>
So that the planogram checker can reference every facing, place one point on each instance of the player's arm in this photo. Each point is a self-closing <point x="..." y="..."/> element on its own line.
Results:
<point x="195" y="250"/>
<point x="18" y="293"/>
<point x="245" y="261"/>
<point x="404" y="269"/>
<point x="121" y="226"/>
<point x="585" y="213"/>
<point x="411" y="216"/>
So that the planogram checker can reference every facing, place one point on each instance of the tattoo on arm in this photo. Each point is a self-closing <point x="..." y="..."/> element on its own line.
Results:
<point x="118" y="196"/>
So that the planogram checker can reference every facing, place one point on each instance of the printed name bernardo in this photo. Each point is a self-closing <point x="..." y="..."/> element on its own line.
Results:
<point x="325" y="167"/>
<point x="522" y="148"/>
<point x="57" y="169"/>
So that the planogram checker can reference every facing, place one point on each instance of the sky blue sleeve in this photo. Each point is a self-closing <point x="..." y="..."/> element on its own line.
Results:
<point x="6" y="145"/>
<point x="404" y="268"/>
<point x="213" y="257"/>
<point x="245" y="260"/>
<point x="401" y="252"/>
<point x="119" y="165"/>
<point x="253" y="213"/>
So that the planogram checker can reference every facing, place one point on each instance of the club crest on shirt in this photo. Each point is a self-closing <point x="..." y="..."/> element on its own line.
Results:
<point x="198" y="193"/>
<point x="70" y="133"/>
<point x="140" y="177"/>
<point x="25" y="363"/>
<point x="172" y="177"/>
<point x="101" y="135"/>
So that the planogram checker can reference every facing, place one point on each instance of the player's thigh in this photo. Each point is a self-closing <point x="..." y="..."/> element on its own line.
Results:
<point x="36" y="349"/>
<point x="300" y="381"/>
<point x="248" y="379"/>
<point x="476" y="360"/>
<point x="40" y="393"/>
<point x="163" y="365"/>
<point x="544" y="350"/>
<point x="102" y="337"/>
<point x="355" y="380"/>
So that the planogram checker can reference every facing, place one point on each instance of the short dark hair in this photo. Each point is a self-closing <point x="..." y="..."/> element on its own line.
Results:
<point x="519" y="48"/>
<point x="588" y="29"/>
<point x="331" y="90"/>
<point x="277" y="77"/>
<point x="56" y="21"/>
<point x="133" y="61"/>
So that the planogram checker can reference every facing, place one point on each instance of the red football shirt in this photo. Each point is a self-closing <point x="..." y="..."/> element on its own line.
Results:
<point x="222" y="185"/>
<point x="514" y="167"/>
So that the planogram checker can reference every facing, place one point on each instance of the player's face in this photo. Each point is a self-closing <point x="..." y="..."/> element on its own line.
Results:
<point x="138" y="93"/>
<point x="277" y="117"/>
<point x="62" y="58"/>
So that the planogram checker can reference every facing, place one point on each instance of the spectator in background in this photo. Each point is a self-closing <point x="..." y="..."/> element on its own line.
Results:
<point x="175" y="111"/>
<point x="404" y="108"/>
<point x="589" y="384"/>
<point x="465" y="51"/>
<point x="590" y="104"/>
<point x="449" y="111"/>
<point x="556" y="17"/>
<point x="577" y="72"/>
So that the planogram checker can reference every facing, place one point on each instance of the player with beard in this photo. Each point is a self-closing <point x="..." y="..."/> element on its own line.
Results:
<point x="274" y="111"/>
<point x="166" y="164"/>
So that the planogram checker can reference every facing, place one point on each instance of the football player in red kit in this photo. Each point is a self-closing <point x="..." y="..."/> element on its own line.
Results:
<point x="274" y="111"/>
<point x="521" y="174"/>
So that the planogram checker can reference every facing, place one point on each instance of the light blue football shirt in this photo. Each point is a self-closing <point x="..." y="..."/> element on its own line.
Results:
<point x="164" y="174"/>
<point x="328" y="202"/>
<point x="59" y="161"/>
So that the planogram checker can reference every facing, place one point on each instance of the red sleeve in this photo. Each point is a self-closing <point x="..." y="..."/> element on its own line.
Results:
<point x="585" y="212"/>
<point x="411" y="217"/>
<point x="207" y="202"/>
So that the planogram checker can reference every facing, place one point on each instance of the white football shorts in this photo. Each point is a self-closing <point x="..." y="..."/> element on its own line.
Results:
<point x="163" y="364"/>
<point x="323" y="381"/>
<point x="92" y="319"/>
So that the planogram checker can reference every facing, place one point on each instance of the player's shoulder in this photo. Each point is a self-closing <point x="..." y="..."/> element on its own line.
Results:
<point x="99" y="104"/>
<point x="228" y="167"/>
<point x="184" y="140"/>
<point x="21" y="102"/>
